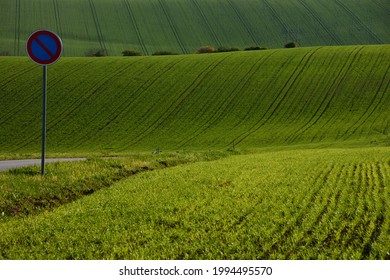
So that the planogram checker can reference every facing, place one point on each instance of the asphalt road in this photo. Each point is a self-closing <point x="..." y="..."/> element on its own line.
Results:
<point x="8" y="164"/>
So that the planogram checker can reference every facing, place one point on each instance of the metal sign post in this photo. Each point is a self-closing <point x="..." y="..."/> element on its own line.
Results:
<point x="44" y="102"/>
<point x="44" y="48"/>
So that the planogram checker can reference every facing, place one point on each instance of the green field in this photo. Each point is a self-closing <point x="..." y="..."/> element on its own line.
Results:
<point x="295" y="204"/>
<point x="246" y="100"/>
<point x="272" y="154"/>
<point x="276" y="154"/>
<point x="185" y="25"/>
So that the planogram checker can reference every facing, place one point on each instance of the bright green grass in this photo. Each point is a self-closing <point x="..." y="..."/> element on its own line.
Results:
<point x="24" y="191"/>
<point x="321" y="96"/>
<point x="297" y="204"/>
<point x="184" y="25"/>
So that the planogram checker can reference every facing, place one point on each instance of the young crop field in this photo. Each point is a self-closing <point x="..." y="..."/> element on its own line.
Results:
<point x="245" y="100"/>
<point x="183" y="26"/>
<point x="292" y="204"/>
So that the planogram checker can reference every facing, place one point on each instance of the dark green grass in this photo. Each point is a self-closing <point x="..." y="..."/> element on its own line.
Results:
<point x="321" y="96"/>
<point x="185" y="25"/>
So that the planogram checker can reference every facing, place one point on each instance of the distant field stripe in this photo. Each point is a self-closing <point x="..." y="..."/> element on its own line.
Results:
<point x="276" y="16"/>
<point x="320" y="21"/>
<point x="199" y="8"/>
<point x="358" y="21"/>
<point x="97" y="25"/>
<point x="382" y="6"/>
<point x="57" y="17"/>
<point x="172" y="25"/>
<point x="135" y="24"/>
<point x="17" y="28"/>
<point x="243" y="22"/>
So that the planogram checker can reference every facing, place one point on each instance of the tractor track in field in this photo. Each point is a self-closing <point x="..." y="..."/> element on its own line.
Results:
<point x="383" y="7"/>
<point x="97" y="26"/>
<point x="119" y="111"/>
<point x="31" y="99"/>
<point x="299" y="69"/>
<point x="172" y="25"/>
<point x="179" y="100"/>
<point x="331" y="92"/>
<point x="321" y="23"/>
<point x="218" y="114"/>
<point x="368" y="113"/>
<point x="283" y="231"/>
<point x="75" y="105"/>
<point x="21" y="106"/>
<point x="243" y="22"/>
<point x="214" y="35"/>
<point x="130" y="12"/>
<point x="276" y="16"/>
<point x="376" y="39"/>
<point x="291" y="118"/>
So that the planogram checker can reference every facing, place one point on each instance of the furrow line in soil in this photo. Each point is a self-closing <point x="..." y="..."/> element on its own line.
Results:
<point x="319" y="20"/>
<point x="243" y="22"/>
<point x="97" y="26"/>
<point x="283" y="231"/>
<point x="229" y="101"/>
<point x="214" y="35"/>
<point x="172" y="25"/>
<point x="376" y="39"/>
<point x="130" y="12"/>
<point x="328" y="97"/>
<point x="299" y="69"/>
<point x="174" y="107"/>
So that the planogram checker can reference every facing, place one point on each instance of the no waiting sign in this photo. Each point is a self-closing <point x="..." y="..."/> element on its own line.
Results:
<point x="44" y="47"/>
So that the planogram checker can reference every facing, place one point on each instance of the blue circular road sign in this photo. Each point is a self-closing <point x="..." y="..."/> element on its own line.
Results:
<point x="44" y="47"/>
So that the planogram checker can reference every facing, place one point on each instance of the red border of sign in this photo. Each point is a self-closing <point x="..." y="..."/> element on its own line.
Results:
<point x="54" y="37"/>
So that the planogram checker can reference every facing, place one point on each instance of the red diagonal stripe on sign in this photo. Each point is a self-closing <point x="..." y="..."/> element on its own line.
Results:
<point x="44" y="47"/>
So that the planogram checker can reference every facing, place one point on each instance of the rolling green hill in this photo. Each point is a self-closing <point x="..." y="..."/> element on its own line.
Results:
<point x="316" y="95"/>
<point x="184" y="25"/>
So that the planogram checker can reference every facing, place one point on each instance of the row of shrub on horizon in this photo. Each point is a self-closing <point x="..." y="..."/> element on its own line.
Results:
<point x="201" y="50"/>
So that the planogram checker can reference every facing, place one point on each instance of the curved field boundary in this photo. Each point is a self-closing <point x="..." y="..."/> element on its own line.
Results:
<point x="172" y="26"/>
<point x="243" y="22"/>
<point x="198" y="7"/>
<point x="321" y="23"/>
<point x="359" y="22"/>
<point x="127" y="5"/>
